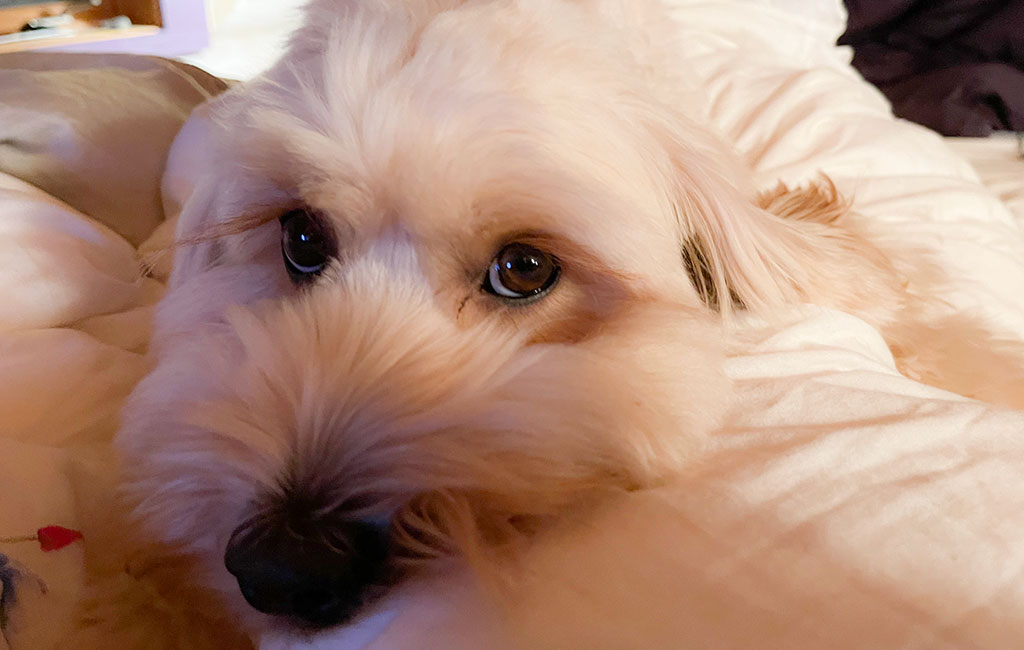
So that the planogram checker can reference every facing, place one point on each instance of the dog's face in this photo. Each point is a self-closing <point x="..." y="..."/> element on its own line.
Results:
<point x="444" y="301"/>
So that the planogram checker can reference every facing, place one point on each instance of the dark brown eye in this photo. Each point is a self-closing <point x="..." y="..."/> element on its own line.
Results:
<point x="306" y="245"/>
<point x="521" y="271"/>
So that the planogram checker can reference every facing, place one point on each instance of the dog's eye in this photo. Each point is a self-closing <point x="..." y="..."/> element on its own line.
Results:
<point x="305" y="245"/>
<point x="521" y="271"/>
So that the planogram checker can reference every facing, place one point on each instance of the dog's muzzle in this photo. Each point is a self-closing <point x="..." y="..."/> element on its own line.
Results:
<point x="316" y="572"/>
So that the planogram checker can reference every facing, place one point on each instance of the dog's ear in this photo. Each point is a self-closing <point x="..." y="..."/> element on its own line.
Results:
<point x="189" y="193"/>
<point x="743" y="250"/>
<point x="737" y="254"/>
<point x="202" y="186"/>
<point x="194" y="252"/>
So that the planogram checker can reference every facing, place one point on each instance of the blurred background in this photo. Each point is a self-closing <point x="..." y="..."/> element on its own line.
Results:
<point x="955" y="66"/>
<point x="246" y="36"/>
<point x="230" y="38"/>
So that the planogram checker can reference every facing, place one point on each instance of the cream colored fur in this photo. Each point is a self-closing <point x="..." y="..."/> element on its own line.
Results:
<point x="428" y="132"/>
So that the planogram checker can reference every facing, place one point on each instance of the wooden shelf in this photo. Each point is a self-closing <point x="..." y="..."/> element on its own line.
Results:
<point x="159" y="27"/>
<point x="94" y="35"/>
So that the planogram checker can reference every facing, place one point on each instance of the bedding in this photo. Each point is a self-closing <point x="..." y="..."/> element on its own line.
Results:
<point x="844" y="506"/>
<point x="90" y="132"/>
<point x="999" y="162"/>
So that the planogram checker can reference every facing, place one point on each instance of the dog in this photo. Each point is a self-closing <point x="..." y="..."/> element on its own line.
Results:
<point x="455" y="268"/>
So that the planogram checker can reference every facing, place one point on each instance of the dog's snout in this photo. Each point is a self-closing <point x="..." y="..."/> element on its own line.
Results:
<point x="316" y="573"/>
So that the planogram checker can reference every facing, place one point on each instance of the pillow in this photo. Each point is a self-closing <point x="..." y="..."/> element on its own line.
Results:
<point x="93" y="130"/>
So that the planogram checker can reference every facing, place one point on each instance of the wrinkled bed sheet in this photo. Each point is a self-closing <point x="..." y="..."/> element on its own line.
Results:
<point x="845" y="507"/>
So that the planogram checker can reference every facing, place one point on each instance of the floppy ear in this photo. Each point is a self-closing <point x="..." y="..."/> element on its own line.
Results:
<point x="762" y="252"/>
<point x="195" y="253"/>
<point x="201" y="194"/>
<point x="189" y="190"/>
<point x="738" y="254"/>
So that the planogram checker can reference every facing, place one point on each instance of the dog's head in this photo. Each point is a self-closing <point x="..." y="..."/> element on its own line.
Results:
<point x="446" y="274"/>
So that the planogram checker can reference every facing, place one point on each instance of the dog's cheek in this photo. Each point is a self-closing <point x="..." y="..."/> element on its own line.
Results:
<point x="656" y="372"/>
<point x="185" y="484"/>
<point x="201" y="300"/>
<point x="626" y="410"/>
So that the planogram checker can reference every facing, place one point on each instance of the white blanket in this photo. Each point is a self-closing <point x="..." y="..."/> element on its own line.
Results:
<point x="846" y="506"/>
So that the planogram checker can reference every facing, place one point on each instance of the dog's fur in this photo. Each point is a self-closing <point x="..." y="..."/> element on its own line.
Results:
<point x="429" y="132"/>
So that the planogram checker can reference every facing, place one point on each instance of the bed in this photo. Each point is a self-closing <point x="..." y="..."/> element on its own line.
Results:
<point x="844" y="506"/>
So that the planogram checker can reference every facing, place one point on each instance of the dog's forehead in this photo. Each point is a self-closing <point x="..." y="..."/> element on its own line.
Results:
<point x="455" y="121"/>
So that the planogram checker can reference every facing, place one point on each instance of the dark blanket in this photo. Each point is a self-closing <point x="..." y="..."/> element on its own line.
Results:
<point x="956" y="66"/>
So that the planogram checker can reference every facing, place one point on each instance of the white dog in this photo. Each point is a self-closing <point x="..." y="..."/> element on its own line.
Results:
<point x="455" y="267"/>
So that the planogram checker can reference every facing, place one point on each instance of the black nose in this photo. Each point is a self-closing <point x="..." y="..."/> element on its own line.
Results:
<point x="316" y="572"/>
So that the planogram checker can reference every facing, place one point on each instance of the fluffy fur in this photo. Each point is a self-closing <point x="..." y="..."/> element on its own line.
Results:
<point x="429" y="132"/>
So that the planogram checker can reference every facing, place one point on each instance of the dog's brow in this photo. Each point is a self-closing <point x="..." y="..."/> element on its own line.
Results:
<point x="312" y="152"/>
